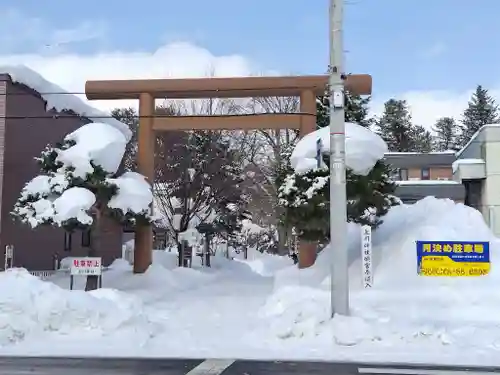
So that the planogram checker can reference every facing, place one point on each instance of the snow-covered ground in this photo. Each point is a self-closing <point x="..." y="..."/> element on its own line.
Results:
<point x="265" y="308"/>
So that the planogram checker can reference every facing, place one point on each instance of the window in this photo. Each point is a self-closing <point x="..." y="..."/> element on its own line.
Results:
<point x="86" y="238"/>
<point x="67" y="241"/>
<point x="426" y="174"/>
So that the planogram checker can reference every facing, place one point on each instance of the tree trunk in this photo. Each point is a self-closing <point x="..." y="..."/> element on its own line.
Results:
<point x="307" y="254"/>
<point x="207" y="251"/>
<point x="282" y="239"/>
<point x="95" y="239"/>
<point x="180" y="254"/>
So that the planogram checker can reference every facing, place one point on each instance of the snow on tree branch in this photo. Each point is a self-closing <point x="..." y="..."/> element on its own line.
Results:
<point x="79" y="176"/>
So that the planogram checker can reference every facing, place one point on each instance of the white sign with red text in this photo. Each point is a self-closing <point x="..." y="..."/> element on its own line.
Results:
<point x="86" y="266"/>
<point x="366" y="255"/>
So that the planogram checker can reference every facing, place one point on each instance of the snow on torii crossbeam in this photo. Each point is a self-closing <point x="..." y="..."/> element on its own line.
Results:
<point x="305" y="87"/>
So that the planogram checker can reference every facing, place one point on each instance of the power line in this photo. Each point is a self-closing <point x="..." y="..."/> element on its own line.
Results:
<point x="67" y="115"/>
<point x="21" y="93"/>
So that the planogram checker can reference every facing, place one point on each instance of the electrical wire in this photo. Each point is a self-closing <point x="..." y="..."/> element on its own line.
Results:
<point x="138" y="116"/>
<point x="138" y="93"/>
<point x="68" y="115"/>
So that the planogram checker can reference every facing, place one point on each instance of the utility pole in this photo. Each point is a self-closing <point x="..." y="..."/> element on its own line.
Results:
<point x="339" y="287"/>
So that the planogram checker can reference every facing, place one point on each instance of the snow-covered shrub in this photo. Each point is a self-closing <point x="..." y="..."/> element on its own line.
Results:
<point x="79" y="184"/>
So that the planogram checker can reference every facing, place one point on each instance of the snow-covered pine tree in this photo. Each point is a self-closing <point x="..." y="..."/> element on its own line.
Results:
<point x="445" y="129"/>
<point x="422" y="139"/>
<point x="356" y="109"/>
<point x="306" y="196"/>
<point x="482" y="110"/>
<point x="79" y="185"/>
<point x="395" y="126"/>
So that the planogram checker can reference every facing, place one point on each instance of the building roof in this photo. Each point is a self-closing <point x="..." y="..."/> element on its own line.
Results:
<point x="476" y="135"/>
<point x="58" y="98"/>
<point x="419" y="160"/>
<point x="439" y="189"/>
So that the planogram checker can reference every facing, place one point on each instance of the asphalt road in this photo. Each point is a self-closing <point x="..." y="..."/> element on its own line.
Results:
<point x="142" y="366"/>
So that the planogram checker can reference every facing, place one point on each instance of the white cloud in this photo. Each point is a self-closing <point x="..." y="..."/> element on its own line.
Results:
<point x="428" y="106"/>
<point x="182" y="60"/>
<point x="173" y="60"/>
<point x="87" y="30"/>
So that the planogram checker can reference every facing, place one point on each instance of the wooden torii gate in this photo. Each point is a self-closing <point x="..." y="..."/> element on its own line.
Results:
<point x="146" y="91"/>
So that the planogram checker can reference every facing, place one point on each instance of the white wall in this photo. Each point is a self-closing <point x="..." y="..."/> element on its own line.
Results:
<point x="485" y="144"/>
<point x="491" y="193"/>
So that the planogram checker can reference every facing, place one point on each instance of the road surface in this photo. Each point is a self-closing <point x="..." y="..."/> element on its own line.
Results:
<point x="143" y="366"/>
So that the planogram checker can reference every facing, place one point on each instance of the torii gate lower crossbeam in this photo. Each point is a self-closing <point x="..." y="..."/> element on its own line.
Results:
<point x="305" y="87"/>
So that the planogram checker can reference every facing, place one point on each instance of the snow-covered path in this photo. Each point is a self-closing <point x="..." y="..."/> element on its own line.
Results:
<point x="219" y="314"/>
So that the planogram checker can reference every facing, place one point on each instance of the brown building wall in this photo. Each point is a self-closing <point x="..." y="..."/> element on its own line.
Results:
<point x="25" y="138"/>
<point x="414" y="173"/>
<point x="441" y="172"/>
<point x="435" y="173"/>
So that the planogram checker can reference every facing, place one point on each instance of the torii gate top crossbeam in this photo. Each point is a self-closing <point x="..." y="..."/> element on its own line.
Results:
<point x="241" y="87"/>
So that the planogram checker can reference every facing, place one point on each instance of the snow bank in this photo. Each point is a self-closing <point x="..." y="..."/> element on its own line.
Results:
<point x="30" y="308"/>
<point x="362" y="146"/>
<point x="95" y="144"/>
<point x="318" y="274"/>
<point x="60" y="99"/>
<point x="162" y="280"/>
<point x="265" y="264"/>
<point x="403" y="311"/>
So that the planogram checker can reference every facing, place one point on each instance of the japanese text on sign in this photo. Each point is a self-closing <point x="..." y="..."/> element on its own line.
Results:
<point x="87" y="266"/>
<point x="366" y="256"/>
<point x="453" y="258"/>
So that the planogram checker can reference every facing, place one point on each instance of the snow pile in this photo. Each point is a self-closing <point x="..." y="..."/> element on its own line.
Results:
<point x="94" y="144"/>
<point x="75" y="202"/>
<point x="60" y="99"/>
<point x="266" y="264"/>
<point x="31" y="308"/>
<point x="363" y="149"/>
<point x="403" y="312"/>
<point x="161" y="280"/>
<point x="134" y="193"/>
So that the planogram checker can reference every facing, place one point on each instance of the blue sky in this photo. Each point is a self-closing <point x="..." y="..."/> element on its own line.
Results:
<point x="405" y="44"/>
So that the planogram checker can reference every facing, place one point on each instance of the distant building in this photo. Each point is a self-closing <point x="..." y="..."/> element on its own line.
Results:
<point x="26" y="127"/>
<point x="419" y="175"/>
<point x="478" y="168"/>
